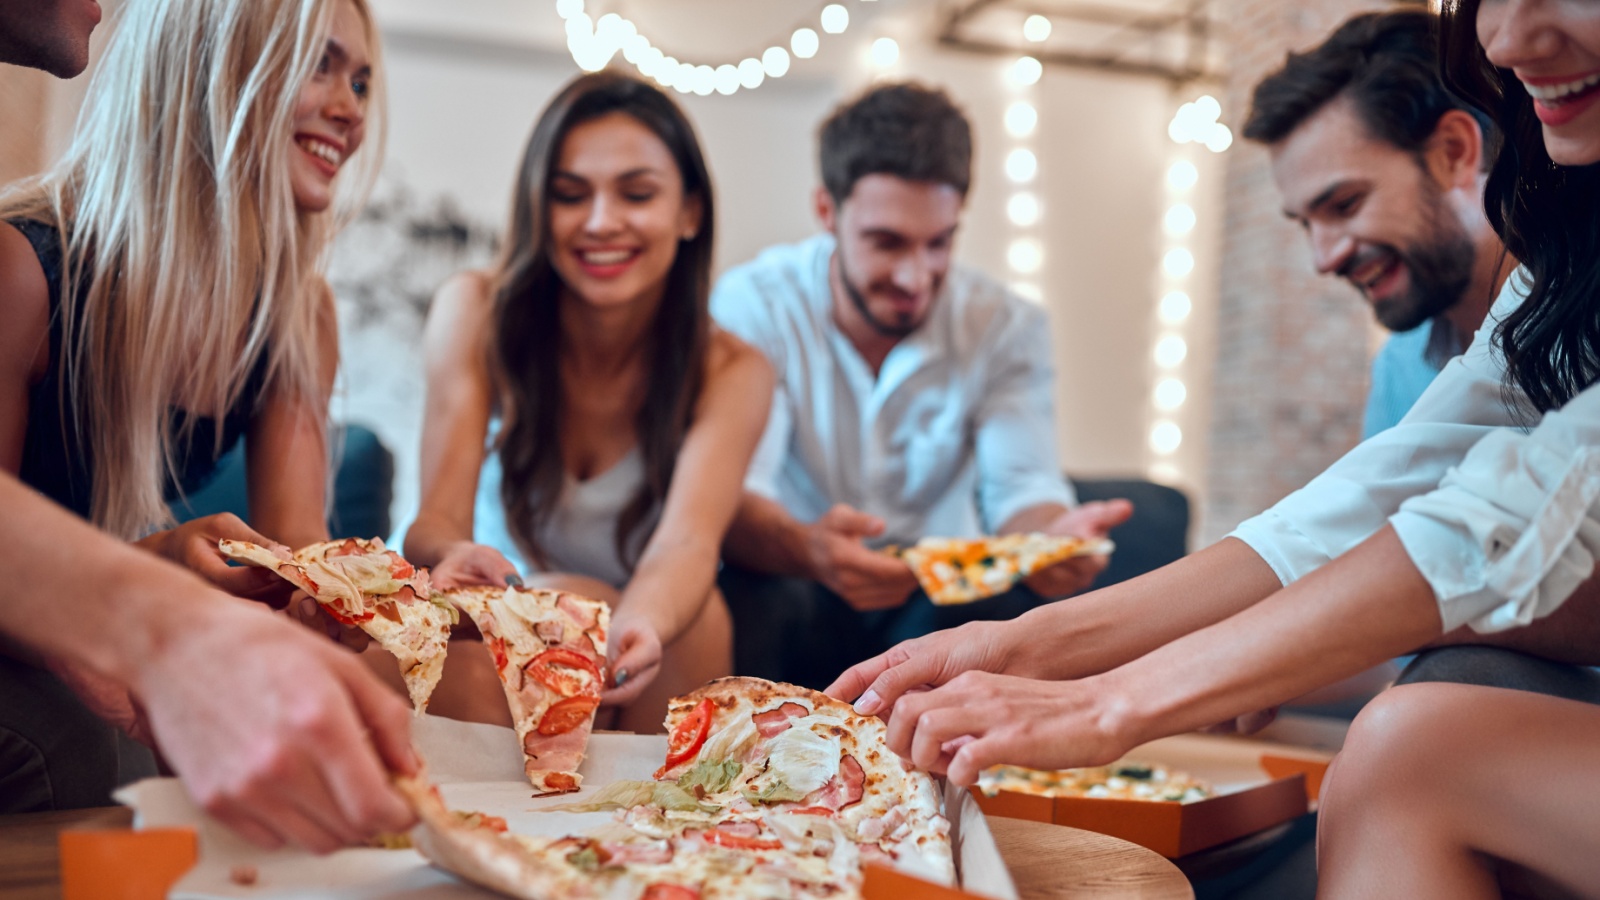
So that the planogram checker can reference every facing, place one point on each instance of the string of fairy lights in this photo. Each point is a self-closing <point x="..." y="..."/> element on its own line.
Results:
<point x="594" y="43"/>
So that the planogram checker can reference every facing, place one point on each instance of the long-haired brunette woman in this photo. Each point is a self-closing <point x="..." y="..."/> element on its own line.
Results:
<point x="620" y="421"/>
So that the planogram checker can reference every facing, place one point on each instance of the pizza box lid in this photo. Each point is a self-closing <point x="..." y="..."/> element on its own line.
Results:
<point x="1258" y="785"/>
<point x="479" y="767"/>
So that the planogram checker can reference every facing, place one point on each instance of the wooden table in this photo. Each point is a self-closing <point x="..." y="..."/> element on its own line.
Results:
<point x="1046" y="861"/>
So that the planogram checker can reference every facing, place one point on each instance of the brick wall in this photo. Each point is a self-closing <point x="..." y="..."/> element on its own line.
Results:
<point x="1292" y="347"/>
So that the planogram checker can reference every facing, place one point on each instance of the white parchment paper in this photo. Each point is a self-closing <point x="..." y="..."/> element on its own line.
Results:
<point x="477" y="767"/>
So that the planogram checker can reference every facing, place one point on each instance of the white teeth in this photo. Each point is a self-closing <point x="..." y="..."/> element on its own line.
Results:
<point x="1553" y="92"/>
<point x="606" y="257"/>
<point x="319" y="149"/>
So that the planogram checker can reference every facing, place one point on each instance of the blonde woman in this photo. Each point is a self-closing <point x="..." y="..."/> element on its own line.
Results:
<point x="162" y="300"/>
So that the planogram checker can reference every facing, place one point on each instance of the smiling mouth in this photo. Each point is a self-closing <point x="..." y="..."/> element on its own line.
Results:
<point x="1554" y="95"/>
<point x="606" y="257"/>
<point x="1366" y="276"/>
<point x="322" y="150"/>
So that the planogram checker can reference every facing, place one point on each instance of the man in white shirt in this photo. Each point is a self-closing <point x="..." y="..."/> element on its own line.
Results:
<point x="914" y="399"/>
<point x="1384" y="168"/>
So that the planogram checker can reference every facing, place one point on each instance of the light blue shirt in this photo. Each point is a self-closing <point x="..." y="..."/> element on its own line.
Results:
<point x="953" y="437"/>
<point x="1400" y="373"/>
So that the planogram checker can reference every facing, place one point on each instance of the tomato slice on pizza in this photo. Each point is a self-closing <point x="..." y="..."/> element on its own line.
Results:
<point x="962" y="570"/>
<point x="549" y="650"/>
<point x="363" y="584"/>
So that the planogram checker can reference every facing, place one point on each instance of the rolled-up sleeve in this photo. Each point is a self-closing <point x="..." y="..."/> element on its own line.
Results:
<point x="1513" y="530"/>
<point x="1357" y="494"/>
<point x="1018" y="464"/>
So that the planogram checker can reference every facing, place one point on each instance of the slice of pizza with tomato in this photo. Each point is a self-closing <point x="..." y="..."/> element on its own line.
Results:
<point x="549" y="648"/>
<point x="962" y="570"/>
<point x="363" y="584"/>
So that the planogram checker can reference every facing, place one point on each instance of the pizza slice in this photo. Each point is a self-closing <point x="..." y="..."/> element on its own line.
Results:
<point x="962" y="570"/>
<point x="363" y="584"/>
<point x="1124" y="780"/>
<point x="549" y="648"/>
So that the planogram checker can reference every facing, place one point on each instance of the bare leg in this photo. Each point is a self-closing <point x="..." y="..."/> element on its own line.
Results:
<point x="1440" y="783"/>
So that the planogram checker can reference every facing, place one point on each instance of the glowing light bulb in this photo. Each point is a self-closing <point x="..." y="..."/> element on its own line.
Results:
<point x="1170" y="394"/>
<point x="726" y="79"/>
<point x="804" y="43"/>
<point x="1025" y="255"/>
<point x="1023" y="209"/>
<point x="775" y="62"/>
<point x="1178" y="262"/>
<point x="835" y="18"/>
<point x="1175" y="307"/>
<point x="1180" y="219"/>
<point x="1025" y="71"/>
<point x="751" y="74"/>
<point x="1165" y="437"/>
<point x="1182" y="175"/>
<point x="1021" y="119"/>
<point x="1170" y="351"/>
<point x="885" y="52"/>
<point x="1021" y="165"/>
<point x="1036" y="28"/>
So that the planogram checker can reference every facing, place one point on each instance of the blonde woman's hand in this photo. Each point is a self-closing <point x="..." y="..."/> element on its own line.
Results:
<point x="193" y="545"/>
<point x="467" y="563"/>
<point x="634" y="652"/>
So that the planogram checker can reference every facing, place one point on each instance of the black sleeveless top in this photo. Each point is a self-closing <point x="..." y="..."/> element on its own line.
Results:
<point x="55" y="461"/>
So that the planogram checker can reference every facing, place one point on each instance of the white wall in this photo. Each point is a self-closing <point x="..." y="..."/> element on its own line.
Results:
<point x="464" y="98"/>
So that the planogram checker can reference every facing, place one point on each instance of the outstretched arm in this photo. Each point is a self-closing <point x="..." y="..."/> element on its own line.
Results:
<point x="281" y="735"/>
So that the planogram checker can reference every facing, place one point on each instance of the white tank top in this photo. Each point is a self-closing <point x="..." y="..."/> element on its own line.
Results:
<point x="580" y="534"/>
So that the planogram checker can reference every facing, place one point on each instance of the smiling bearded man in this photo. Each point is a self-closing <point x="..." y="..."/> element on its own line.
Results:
<point x="1384" y="169"/>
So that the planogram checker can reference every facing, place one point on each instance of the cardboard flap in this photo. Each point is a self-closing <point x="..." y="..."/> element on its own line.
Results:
<point x="122" y="864"/>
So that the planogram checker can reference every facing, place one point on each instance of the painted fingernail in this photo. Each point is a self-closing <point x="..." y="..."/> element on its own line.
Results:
<point x="868" y="703"/>
<point x="514" y="581"/>
<point x="622" y="676"/>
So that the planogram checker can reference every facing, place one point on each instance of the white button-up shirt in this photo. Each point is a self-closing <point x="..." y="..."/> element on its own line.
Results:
<point x="1502" y="520"/>
<point x="952" y="437"/>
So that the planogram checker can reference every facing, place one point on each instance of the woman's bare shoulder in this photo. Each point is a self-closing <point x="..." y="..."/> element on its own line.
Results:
<point x="729" y="356"/>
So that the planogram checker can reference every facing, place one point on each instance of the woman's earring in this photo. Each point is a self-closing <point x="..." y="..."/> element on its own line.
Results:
<point x="690" y="235"/>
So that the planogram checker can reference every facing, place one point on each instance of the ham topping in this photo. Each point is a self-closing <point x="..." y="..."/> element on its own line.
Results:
<point x="842" y="789"/>
<point x="774" y="722"/>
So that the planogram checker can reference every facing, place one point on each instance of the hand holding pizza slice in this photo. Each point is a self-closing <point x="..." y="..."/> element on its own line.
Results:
<point x="962" y="570"/>
<point x="363" y="584"/>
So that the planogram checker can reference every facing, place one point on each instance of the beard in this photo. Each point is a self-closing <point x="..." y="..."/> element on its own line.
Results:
<point x="1439" y="269"/>
<point x="900" y="326"/>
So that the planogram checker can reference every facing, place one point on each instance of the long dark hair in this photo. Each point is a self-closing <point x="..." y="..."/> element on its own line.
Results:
<point x="525" y="350"/>
<point x="1548" y="217"/>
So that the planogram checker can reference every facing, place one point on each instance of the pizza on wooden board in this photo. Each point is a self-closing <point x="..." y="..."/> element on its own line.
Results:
<point x="363" y="584"/>
<point x="549" y="648"/>
<point x="962" y="570"/>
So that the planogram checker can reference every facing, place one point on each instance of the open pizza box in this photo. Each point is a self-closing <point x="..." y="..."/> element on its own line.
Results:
<point x="479" y="767"/>
<point x="1258" y="785"/>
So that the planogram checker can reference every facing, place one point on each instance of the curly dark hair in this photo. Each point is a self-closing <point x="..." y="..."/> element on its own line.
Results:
<point x="906" y="130"/>
<point x="1547" y="215"/>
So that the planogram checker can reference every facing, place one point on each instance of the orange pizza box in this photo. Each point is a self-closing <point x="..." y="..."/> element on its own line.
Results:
<point x="1257" y="786"/>
<point x="479" y="767"/>
<point x="123" y="864"/>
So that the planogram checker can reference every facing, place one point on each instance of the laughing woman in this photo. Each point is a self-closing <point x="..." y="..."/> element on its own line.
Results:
<point x="620" y="420"/>
<point x="161" y="300"/>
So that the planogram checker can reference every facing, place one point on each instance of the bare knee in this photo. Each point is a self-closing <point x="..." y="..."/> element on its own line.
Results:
<point x="1394" y="748"/>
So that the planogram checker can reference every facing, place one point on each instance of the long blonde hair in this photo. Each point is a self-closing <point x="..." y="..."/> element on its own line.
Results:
<point x="180" y="231"/>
